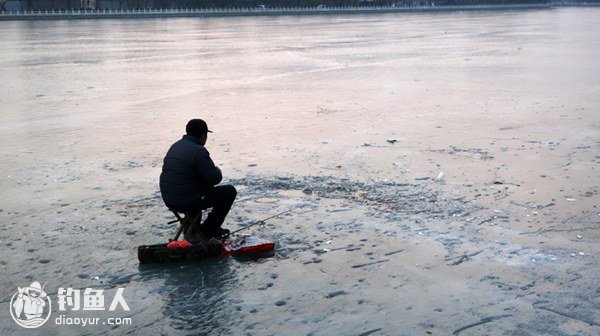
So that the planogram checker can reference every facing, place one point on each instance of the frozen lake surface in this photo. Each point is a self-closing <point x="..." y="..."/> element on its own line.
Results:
<point x="365" y="111"/>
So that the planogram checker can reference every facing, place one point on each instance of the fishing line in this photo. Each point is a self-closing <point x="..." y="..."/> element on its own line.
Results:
<point x="262" y="221"/>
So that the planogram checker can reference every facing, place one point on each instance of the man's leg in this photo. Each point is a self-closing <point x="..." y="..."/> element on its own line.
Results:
<point x="220" y="198"/>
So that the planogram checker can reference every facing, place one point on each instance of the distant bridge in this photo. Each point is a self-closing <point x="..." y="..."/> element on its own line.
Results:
<point x="223" y="12"/>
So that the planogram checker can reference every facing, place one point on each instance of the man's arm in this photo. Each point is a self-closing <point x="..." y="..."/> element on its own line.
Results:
<point x="205" y="166"/>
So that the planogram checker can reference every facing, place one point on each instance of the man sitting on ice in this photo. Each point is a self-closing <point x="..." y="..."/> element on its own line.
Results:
<point x="188" y="182"/>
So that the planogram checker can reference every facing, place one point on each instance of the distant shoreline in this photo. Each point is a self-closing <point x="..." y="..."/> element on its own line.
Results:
<point x="232" y="12"/>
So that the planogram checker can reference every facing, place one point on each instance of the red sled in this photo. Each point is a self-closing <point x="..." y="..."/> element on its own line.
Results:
<point x="182" y="250"/>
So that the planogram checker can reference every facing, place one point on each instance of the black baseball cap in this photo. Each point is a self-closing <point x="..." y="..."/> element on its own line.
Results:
<point x="196" y="127"/>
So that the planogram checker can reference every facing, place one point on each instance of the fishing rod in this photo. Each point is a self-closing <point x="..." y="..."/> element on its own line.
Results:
<point x="261" y="221"/>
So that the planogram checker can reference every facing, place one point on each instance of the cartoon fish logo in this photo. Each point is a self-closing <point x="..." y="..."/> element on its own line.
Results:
<point x="30" y="307"/>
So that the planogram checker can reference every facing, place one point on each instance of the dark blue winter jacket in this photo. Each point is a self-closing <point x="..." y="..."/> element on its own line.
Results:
<point x="187" y="173"/>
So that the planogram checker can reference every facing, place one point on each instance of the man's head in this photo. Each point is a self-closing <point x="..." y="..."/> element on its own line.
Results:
<point x="198" y="129"/>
